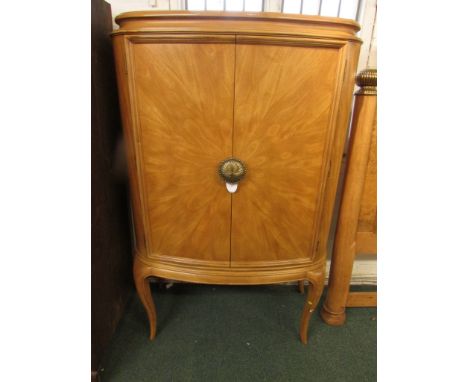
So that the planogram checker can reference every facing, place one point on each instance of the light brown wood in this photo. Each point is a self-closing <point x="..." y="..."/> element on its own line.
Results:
<point x="366" y="243"/>
<point x="337" y="149"/>
<point x="300" y="286"/>
<point x="265" y="23"/>
<point x="216" y="273"/>
<point x="314" y="291"/>
<point x="272" y="90"/>
<point x="361" y="299"/>
<point x="141" y="273"/>
<point x="282" y="127"/>
<point x="182" y="138"/>
<point x="368" y="213"/>
<point x="127" y="113"/>
<point x="363" y="130"/>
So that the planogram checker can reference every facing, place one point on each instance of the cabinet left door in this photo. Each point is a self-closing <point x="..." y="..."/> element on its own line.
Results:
<point x="181" y="92"/>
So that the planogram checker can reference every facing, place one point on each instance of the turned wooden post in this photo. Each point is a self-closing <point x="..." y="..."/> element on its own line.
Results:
<point x="365" y="112"/>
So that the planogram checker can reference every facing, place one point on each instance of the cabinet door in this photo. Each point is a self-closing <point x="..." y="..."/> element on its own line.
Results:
<point x="284" y="99"/>
<point x="184" y="95"/>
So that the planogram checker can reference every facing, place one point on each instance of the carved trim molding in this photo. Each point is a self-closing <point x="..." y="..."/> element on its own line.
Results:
<point x="367" y="81"/>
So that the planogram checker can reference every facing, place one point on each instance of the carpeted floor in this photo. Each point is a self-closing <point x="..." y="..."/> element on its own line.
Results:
<point x="238" y="333"/>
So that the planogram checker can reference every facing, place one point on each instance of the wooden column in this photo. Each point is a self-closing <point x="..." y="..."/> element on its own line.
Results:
<point x="365" y="112"/>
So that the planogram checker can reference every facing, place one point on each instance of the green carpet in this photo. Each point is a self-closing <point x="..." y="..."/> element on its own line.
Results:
<point x="238" y="333"/>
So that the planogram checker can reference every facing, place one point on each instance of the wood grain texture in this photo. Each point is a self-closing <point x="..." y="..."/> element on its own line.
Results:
<point x="281" y="126"/>
<point x="185" y="97"/>
<point x="344" y="251"/>
<point x="280" y="24"/>
<point x="273" y="90"/>
<point x="141" y="274"/>
<point x="368" y="213"/>
<point x="366" y="243"/>
<point x="314" y="291"/>
<point x="343" y="119"/>
<point x="351" y="52"/>
<point x="217" y="273"/>
<point x="361" y="299"/>
<point x="128" y="117"/>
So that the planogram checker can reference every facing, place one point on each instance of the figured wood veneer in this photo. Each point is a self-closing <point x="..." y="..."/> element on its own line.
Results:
<point x="185" y="94"/>
<point x="281" y="127"/>
<point x="272" y="90"/>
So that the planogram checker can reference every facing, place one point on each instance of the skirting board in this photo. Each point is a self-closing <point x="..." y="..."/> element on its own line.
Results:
<point x="364" y="272"/>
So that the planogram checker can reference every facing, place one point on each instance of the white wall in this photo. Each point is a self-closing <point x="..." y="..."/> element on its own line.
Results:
<point x="368" y="34"/>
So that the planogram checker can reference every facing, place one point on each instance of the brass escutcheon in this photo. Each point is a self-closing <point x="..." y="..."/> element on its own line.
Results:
<point x="232" y="170"/>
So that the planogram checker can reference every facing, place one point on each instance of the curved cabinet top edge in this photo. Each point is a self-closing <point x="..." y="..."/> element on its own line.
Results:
<point x="230" y="22"/>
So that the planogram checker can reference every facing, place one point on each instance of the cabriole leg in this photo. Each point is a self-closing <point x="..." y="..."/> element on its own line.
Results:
<point x="141" y="277"/>
<point x="314" y="291"/>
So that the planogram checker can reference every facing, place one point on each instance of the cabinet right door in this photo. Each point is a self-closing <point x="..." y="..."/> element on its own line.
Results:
<point x="283" y="119"/>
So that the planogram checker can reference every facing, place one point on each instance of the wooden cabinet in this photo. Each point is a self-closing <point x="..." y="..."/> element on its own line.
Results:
<point x="271" y="90"/>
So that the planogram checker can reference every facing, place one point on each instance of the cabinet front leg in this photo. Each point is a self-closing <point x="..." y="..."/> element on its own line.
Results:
<point x="141" y="276"/>
<point x="314" y="291"/>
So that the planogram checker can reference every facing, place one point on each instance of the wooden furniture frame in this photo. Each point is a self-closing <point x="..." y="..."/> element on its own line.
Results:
<point x="357" y="222"/>
<point x="272" y="90"/>
<point x="111" y="248"/>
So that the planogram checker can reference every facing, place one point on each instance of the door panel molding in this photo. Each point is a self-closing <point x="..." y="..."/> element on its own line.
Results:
<point x="178" y="91"/>
<point x="285" y="86"/>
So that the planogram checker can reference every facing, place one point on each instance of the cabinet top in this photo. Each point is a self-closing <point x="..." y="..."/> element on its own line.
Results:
<point x="237" y="23"/>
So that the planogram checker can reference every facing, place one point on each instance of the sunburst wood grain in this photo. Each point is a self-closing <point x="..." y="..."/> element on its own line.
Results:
<point x="342" y="122"/>
<point x="185" y="99"/>
<point x="271" y="89"/>
<point x="127" y="112"/>
<point x="281" y="125"/>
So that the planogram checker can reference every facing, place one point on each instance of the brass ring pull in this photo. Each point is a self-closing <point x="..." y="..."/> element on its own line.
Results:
<point x="232" y="170"/>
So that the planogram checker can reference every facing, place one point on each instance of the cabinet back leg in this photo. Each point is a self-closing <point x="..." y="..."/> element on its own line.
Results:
<point x="314" y="291"/>
<point x="141" y="278"/>
<point x="300" y="286"/>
